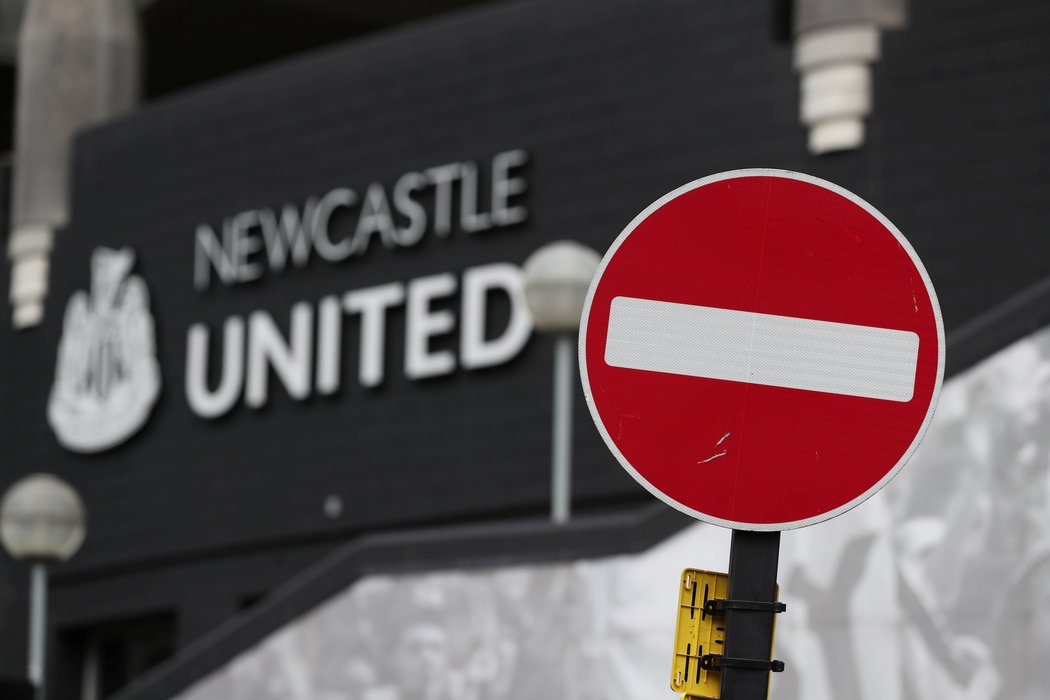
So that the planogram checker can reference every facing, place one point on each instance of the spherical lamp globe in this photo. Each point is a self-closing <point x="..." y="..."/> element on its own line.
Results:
<point x="42" y="519"/>
<point x="557" y="277"/>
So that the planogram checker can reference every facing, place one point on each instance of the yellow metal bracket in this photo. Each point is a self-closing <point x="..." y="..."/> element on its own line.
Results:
<point x="698" y="633"/>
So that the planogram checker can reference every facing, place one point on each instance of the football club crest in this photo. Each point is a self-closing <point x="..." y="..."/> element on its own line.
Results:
<point x="107" y="377"/>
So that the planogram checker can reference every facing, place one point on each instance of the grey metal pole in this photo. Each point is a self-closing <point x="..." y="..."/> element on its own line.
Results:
<point x="561" y="429"/>
<point x="37" y="625"/>
<point x="753" y="559"/>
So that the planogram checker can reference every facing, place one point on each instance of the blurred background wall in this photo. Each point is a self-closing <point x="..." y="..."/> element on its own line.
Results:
<point x="208" y="533"/>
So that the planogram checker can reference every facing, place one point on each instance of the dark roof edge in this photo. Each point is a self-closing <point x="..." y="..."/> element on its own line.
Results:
<point x="1003" y="324"/>
<point x="495" y="544"/>
<point x="460" y="546"/>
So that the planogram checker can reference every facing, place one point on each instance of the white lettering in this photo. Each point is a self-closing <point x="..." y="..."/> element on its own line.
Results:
<point x="287" y="234"/>
<point x="442" y="177"/>
<point x="329" y="344"/>
<point x="469" y="218"/>
<point x="410" y="208"/>
<point x="372" y="304"/>
<point x="204" y="402"/>
<point x="243" y="245"/>
<point x="273" y="239"/>
<point x="475" y="351"/>
<point x="423" y="323"/>
<point x="504" y="186"/>
<point x="332" y="252"/>
<point x="375" y="218"/>
<point x="210" y="254"/>
<point x="290" y="360"/>
<point x="254" y="350"/>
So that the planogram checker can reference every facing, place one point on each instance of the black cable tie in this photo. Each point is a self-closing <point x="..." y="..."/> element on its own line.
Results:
<point x="717" y="606"/>
<point x="715" y="662"/>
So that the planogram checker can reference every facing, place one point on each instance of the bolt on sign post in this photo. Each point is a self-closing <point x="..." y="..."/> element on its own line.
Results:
<point x="762" y="350"/>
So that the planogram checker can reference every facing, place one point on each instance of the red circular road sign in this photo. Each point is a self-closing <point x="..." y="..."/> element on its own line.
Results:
<point x="761" y="349"/>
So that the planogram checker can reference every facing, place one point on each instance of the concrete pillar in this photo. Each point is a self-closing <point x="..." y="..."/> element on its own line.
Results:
<point x="78" y="64"/>
<point x="836" y="41"/>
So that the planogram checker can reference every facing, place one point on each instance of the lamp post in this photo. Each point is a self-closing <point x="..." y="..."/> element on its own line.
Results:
<point x="41" y="522"/>
<point x="557" y="277"/>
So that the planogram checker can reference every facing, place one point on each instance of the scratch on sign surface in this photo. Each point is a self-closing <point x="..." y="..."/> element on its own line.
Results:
<point x="714" y="456"/>
<point x="722" y="439"/>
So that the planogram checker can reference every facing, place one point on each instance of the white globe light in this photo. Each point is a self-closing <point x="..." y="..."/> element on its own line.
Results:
<point x="42" y="518"/>
<point x="557" y="277"/>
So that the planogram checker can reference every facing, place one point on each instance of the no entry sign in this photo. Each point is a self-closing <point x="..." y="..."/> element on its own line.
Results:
<point x="761" y="349"/>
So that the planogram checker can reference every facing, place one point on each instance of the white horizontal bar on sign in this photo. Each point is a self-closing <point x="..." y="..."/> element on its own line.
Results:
<point x="742" y="346"/>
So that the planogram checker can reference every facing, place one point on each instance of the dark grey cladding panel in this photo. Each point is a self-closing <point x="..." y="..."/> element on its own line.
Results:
<point x="14" y="578"/>
<point x="983" y="335"/>
<point x="617" y="103"/>
<point x="16" y="689"/>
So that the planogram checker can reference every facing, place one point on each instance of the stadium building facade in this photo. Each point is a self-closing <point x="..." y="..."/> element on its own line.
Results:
<point x="284" y="356"/>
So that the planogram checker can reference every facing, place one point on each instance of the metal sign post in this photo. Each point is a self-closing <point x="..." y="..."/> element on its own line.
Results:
<point x="748" y="644"/>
